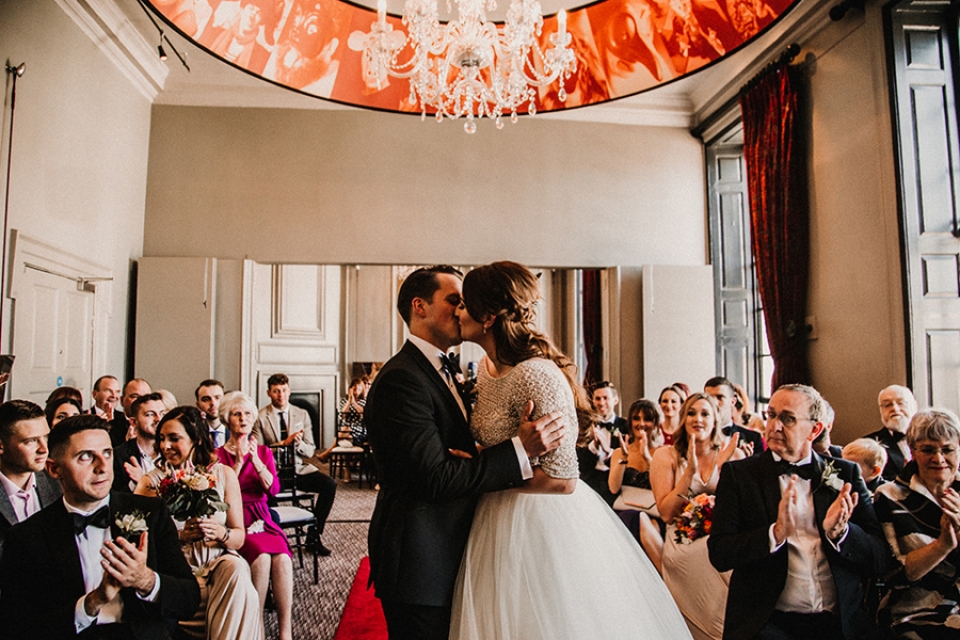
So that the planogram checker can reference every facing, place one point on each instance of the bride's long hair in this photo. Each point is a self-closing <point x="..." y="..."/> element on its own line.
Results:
<point x="509" y="291"/>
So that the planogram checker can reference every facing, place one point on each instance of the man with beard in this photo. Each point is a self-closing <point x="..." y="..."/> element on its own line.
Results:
<point x="897" y="406"/>
<point x="135" y="457"/>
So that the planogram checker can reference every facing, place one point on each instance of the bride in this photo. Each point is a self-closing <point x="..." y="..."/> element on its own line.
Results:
<point x="549" y="560"/>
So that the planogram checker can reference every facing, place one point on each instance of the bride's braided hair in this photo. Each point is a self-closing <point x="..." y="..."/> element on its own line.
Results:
<point x="509" y="291"/>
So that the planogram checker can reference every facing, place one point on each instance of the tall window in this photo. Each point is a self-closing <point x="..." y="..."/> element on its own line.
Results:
<point x="742" y="352"/>
<point x="923" y="45"/>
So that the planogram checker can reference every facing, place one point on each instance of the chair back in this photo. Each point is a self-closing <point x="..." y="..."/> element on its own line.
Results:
<point x="286" y="458"/>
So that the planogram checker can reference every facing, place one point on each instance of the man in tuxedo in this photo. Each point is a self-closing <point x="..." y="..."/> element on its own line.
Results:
<point x="897" y="406"/>
<point x="722" y="390"/>
<point x="800" y="534"/>
<point x="67" y="572"/>
<point x="106" y="396"/>
<point x="135" y="457"/>
<point x="281" y="423"/>
<point x="209" y="393"/>
<point x="592" y="459"/>
<point x="415" y="421"/>
<point x="23" y="455"/>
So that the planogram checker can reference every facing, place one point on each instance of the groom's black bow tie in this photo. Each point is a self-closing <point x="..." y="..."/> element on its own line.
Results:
<point x="99" y="518"/>
<point x="451" y="364"/>
<point x="806" y="471"/>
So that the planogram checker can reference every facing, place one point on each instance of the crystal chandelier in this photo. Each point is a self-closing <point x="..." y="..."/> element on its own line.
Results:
<point x="468" y="67"/>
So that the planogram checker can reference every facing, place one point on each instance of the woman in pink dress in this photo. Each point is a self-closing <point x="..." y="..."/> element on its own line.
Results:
<point x="265" y="546"/>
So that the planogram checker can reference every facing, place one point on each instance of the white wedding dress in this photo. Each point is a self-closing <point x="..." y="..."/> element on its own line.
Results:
<point x="555" y="567"/>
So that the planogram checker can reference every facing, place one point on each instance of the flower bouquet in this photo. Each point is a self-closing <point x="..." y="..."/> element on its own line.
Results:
<point x="191" y="493"/>
<point x="695" y="520"/>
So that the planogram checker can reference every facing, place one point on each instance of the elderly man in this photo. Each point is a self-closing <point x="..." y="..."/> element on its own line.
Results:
<point x="70" y="570"/>
<point x="131" y="391"/>
<point x="798" y="531"/>
<point x="897" y="406"/>
<point x="23" y="454"/>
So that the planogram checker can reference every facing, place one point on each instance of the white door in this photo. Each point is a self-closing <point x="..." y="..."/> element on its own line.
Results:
<point x="52" y="336"/>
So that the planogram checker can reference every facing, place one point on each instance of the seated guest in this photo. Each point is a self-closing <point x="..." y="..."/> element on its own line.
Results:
<point x="106" y="397"/>
<point x="23" y="454"/>
<point x="209" y="393"/>
<point x="230" y="606"/>
<point x="897" y="406"/>
<point x="822" y="444"/>
<point x="136" y="457"/>
<point x="60" y="408"/>
<point x="69" y="568"/>
<point x="871" y="457"/>
<point x="741" y="413"/>
<point x="920" y="512"/>
<point x="630" y="466"/>
<point x="723" y="391"/>
<point x="670" y="400"/>
<point x="265" y="546"/>
<point x="65" y="392"/>
<point x="281" y="423"/>
<point x="594" y="458"/>
<point x="131" y="391"/>
<point x="350" y="413"/>
<point x="678" y="474"/>
<point x="799" y="533"/>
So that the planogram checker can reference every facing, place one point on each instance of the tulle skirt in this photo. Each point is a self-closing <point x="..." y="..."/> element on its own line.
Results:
<point x="558" y="567"/>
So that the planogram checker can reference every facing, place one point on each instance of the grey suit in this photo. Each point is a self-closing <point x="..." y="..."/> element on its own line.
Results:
<point x="48" y="491"/>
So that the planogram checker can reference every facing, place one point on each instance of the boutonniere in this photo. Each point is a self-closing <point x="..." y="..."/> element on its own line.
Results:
<point x="131" y="525"/>
<point x="831" y="477"/>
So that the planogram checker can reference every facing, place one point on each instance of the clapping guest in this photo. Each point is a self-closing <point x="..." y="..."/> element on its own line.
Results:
<point x="265" y="546"/>
<point x="920" y="513"/>
<point x="60" y="408"/>
<point x="136" y="457"/>
<point x="679" y="473"/>
<point x="70" y="566"/>
<point x="230" y="607"/>
<point x="106" y="397"/>
<point x="350" y="414"/>
<point x="670" y="400"/>
<point x="871" y="456"/>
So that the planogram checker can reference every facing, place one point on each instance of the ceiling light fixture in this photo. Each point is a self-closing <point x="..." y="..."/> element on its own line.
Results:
<point x="468" y="67"/>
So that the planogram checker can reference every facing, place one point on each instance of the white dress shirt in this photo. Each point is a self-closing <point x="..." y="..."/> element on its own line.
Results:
<point x="810" y="587"/>
<point x="25" y="501"/>
<point x="433" y="354"/>
<point x="89" y="544"/>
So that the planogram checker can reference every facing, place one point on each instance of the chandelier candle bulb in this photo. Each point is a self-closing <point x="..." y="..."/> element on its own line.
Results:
<point x="562" y="22"/>
<point x="382" y="11"/>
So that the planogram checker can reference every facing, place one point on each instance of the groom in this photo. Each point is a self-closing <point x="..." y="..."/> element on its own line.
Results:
<point x="415" y="417"/>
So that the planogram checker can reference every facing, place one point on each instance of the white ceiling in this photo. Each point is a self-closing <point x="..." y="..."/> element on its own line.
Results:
<point x="211" y="82"/>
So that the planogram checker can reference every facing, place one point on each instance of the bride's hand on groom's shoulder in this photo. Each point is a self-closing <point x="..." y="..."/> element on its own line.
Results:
<point x="541" y="435"/>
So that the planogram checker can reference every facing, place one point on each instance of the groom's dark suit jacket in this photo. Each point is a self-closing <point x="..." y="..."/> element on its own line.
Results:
<point x="41" y="579"/>
<point x="424" y="510"/>
<point x="747" y="502"/>
<point x="48" y="491"/>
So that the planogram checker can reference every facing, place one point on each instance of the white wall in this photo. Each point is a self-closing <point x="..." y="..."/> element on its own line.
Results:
<point x="79" y="168"/>
<point x="372" y="188"/>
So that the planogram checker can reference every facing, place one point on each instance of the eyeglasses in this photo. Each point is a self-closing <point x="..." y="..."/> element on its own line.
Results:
<point x="929" y="451"/>
<point x="786" y="419"/>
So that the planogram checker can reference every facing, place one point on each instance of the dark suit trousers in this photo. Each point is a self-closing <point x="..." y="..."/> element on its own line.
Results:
<point x="326" y="489"/>
<point x="415" y="621"/>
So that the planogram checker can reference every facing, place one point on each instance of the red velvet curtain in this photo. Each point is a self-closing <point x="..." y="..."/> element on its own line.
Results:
<point x="592" y="332"/>
<point x="775" y="152"/>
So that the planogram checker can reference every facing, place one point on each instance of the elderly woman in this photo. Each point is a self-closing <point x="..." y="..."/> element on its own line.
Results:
<point x="265" y="546"/>
<point x="920" y="512"/>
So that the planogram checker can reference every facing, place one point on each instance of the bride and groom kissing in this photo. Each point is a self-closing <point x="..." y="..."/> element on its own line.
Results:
<point x="503" y="542"/>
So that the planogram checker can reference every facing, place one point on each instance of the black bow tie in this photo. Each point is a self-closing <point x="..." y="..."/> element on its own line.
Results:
<point x="451" y="364"/>
<point x="896" y="436"/>
<point x="806" y="471"/>
<point x="99" y="518"/>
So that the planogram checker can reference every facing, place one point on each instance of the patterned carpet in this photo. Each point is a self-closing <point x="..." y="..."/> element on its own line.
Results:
<point x="317" y="608"/>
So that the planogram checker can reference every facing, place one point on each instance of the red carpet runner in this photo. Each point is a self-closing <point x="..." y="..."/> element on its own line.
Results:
<point x="362" y="617"/>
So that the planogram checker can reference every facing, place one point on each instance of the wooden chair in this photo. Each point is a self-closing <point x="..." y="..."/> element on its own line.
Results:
<point x="296" y="517"/>
<point x="347" y="459"/>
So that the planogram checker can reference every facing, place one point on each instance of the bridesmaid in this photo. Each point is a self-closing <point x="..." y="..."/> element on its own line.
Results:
<point x="265" y="547"/>
<point x="670" y="400"/>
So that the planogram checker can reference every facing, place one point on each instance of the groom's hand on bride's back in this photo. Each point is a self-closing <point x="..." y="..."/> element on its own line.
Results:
<point x="541" y="435"/>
